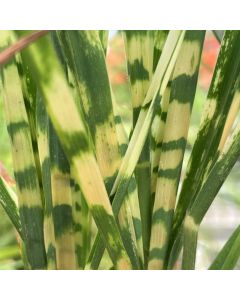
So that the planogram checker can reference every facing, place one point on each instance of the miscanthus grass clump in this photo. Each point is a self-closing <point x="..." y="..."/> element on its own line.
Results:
<point x="87" y="188"/>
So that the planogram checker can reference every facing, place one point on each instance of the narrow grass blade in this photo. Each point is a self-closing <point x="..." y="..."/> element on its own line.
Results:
<point x="28" y="190"/>
<point x="229" y="254"/>
<point x="62" y="204"/>
<point x="160" y="37"/>
<point x="42" y="129"/>
<point x="158" y="124"/>
<point x="139" y="50"/>
<point x="182" y="94"/>
<point x="205" y="197"/>
<point x="96" y="254"/>
<point x="8" y="200"/>
<point x="156" y="138"/>
<point x="82" y="221"/>
<point x="61" y="193"/>
<point x="132" y="192"/>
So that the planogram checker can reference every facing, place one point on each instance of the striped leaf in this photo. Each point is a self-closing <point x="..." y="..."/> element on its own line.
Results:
<point x="156" y="138"/>
<point x="25" y="172"/>
<point x="131" y="196"/>
<point x="42" y="129"/>
<point x="139" y="50"/>
<point x="205" y="197"/>
<point x="88" y="178"/>
<point x="62" y="211"/>
<point x="160" y="37"/>
<point x="182" y="94"/>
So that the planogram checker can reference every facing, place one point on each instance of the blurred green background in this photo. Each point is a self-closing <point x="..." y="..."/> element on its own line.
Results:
<point x="223" y="216"/>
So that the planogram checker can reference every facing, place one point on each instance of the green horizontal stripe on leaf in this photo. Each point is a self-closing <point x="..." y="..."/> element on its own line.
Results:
<point x="27" y="178"/>
<point x="162" y="216"/>
<point x="76" y="143"/>
<point x="170" y="173"/>
<point x="186" y="92"/>
<point x="62" y="217"/>
<point x="154" y="144"/>
<point x="159" y="145"/>
<point x="174" y="145"/>
<point x="14" y="128"/>
<point x="157" y="253"/>
<point x="137" y="71"/>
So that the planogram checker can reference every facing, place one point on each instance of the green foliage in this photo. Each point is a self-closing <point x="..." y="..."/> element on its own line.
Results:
<point x="84" y="183"/>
